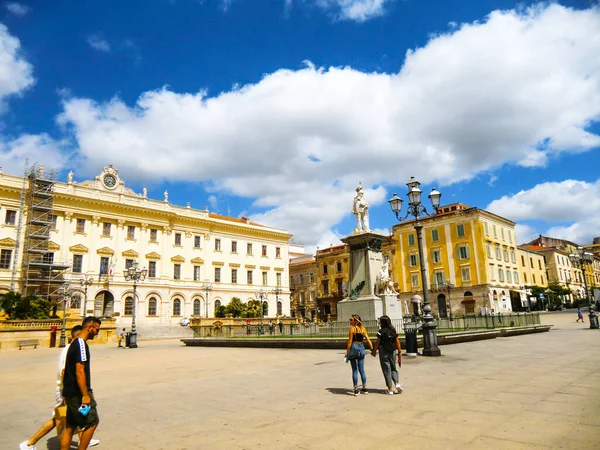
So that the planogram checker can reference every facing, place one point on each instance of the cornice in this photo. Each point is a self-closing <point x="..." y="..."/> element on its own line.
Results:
<point x="78" y="248"/>
<point x="7" y="243"/>
<point x="152" y="256"/>
<point x="105" y="251"/>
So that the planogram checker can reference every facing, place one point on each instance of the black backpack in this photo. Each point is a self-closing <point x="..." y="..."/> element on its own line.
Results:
<point x="388" y="340"/>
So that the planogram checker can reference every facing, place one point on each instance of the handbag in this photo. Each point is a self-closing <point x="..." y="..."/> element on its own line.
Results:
<point x="356" y="352"/>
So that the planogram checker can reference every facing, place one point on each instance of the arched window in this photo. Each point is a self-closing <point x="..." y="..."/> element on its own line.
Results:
<point x="76" y="301"/>
<point x="265" y="309"/>
<point x="217" y="303"/>
<point x="152" y="306"/>
<point x="128" y="306"/>
<point x="176" y="307"/>
<point x="196" y="307"/>
<point x="279" y="308"/>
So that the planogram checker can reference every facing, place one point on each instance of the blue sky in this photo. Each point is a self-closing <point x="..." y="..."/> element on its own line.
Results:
<point x="277" y="110"/>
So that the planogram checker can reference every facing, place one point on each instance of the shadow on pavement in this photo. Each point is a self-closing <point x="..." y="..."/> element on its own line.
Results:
<point x="342" y="391"/>
<point x="54" y="444"/>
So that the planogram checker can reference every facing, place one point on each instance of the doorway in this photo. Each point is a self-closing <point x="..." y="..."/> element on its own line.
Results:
<point x="442" y="307"/>
<point x="104" y="304"/>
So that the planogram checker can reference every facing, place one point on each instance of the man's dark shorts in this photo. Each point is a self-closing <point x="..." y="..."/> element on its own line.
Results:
<point x="77" y="420"/>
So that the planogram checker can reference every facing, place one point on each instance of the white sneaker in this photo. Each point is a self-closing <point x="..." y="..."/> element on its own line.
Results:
<point x="399" y="388"/>
<point x="91" y="444"/>
<point x="390" y="392"/>
<point x="24" y="446"/>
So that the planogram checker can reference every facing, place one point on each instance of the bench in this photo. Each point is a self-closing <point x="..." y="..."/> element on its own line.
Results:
<point x="28" y="342"/>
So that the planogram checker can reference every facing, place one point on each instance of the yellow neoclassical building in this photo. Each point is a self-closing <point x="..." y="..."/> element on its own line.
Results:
<point x="471" y="260"/>
<point x="53" y="232"/>
<point x="560" y="270"/>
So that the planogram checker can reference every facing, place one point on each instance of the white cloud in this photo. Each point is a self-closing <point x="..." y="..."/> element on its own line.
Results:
<point x="38" y="148"/>
<point x="356" y="10"/>
<point x="213" y="202"/>
<point x="574" y="206"/>
<point x="15" y="78"/>
<point x="16" y="74"/>
<point x="298" y="141"/>
<point x="17" y="9"/>
<point x="525" y="233"/>
<point x="97" y="42"/>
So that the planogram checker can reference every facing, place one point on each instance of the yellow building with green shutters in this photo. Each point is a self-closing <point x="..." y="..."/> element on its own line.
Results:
<point x="471" y="259"/>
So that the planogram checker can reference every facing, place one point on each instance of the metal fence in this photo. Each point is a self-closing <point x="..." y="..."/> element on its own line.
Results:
<point x="341" y="329"/>
<point x="488" y="322"/>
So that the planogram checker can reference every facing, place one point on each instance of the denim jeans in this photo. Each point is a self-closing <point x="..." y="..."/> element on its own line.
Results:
<point x="388" y="366"/>
<point x="358" y="365"/>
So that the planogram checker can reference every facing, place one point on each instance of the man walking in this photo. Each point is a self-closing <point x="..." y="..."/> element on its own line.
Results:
<point x="77" y="388"/>
<point x="121" y="337"/>
<point x="52" y="423"/>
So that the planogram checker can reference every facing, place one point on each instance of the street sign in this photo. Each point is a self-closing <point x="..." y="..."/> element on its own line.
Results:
<point x="541" y="295"/>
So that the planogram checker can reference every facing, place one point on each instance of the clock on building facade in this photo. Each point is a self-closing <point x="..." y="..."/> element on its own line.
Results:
<point x="109" y="181"/>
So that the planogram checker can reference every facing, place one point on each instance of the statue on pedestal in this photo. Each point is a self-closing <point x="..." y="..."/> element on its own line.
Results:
<point x="70" y="177"/>
<point x="361" y="209"/>
<point x="166" y="196"/>
<point x="383" y="283"/>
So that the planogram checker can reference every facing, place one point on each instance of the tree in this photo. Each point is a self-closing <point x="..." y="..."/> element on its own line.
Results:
<point x="220" y="311"/>
<point x="235" y="307"/>
<point x="253" y="309"/>
<point x="21" y="308"/>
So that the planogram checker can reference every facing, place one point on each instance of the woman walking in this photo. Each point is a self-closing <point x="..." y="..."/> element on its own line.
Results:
<point x="355" y="353"/>
<point x="388" y="345"/>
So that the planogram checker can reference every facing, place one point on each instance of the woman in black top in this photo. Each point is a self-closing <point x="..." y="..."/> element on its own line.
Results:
<point x="355" y="352"/>
<point x="388" y="345"/>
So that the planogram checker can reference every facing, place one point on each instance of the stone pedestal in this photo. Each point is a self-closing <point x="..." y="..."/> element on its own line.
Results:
<point x="392" y="307"/>
<point x="366" y="261"/>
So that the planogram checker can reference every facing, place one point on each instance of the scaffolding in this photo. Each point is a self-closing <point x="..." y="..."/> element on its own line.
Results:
<point x="41" y="274"/>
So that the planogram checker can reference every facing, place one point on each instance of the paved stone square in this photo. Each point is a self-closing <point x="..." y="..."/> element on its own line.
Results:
<point x="524" y="392"/>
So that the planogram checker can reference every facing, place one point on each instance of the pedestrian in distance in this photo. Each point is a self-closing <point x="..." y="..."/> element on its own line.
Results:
<point x="388" y="345"/>
<point x="121" y="337"/>
<point x="29" y="444"/>
<point x="77" y="387"/>
<point x="579" y="315"/>
<point x="280" y="324"/>
<point x="355" y="353"/>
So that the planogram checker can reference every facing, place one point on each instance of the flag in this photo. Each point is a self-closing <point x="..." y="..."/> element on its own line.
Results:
<point x="111" y="269"/>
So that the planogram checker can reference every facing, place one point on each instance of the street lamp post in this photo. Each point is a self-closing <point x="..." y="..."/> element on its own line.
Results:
<point x="448" y="285"/>
<point x="66" y="294"/>
<point x="135" y="274"/>
<point x="207" y="287"/>
<point x="261" y="295"/>
<point x="277" y="291"/>
<point x="416" y="209"/>
<point x="86" y="281"/>
<point x="580" y="259"/>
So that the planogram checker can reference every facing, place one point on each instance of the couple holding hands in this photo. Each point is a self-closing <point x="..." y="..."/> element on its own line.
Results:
<point x="389" y="349"/>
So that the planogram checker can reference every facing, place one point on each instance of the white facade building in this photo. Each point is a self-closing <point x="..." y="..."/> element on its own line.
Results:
<point x="99" y="227"/>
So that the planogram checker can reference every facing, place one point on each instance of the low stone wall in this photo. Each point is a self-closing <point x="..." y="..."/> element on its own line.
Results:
<point x="340" y="343"/>
<point x="13" y="331"/>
